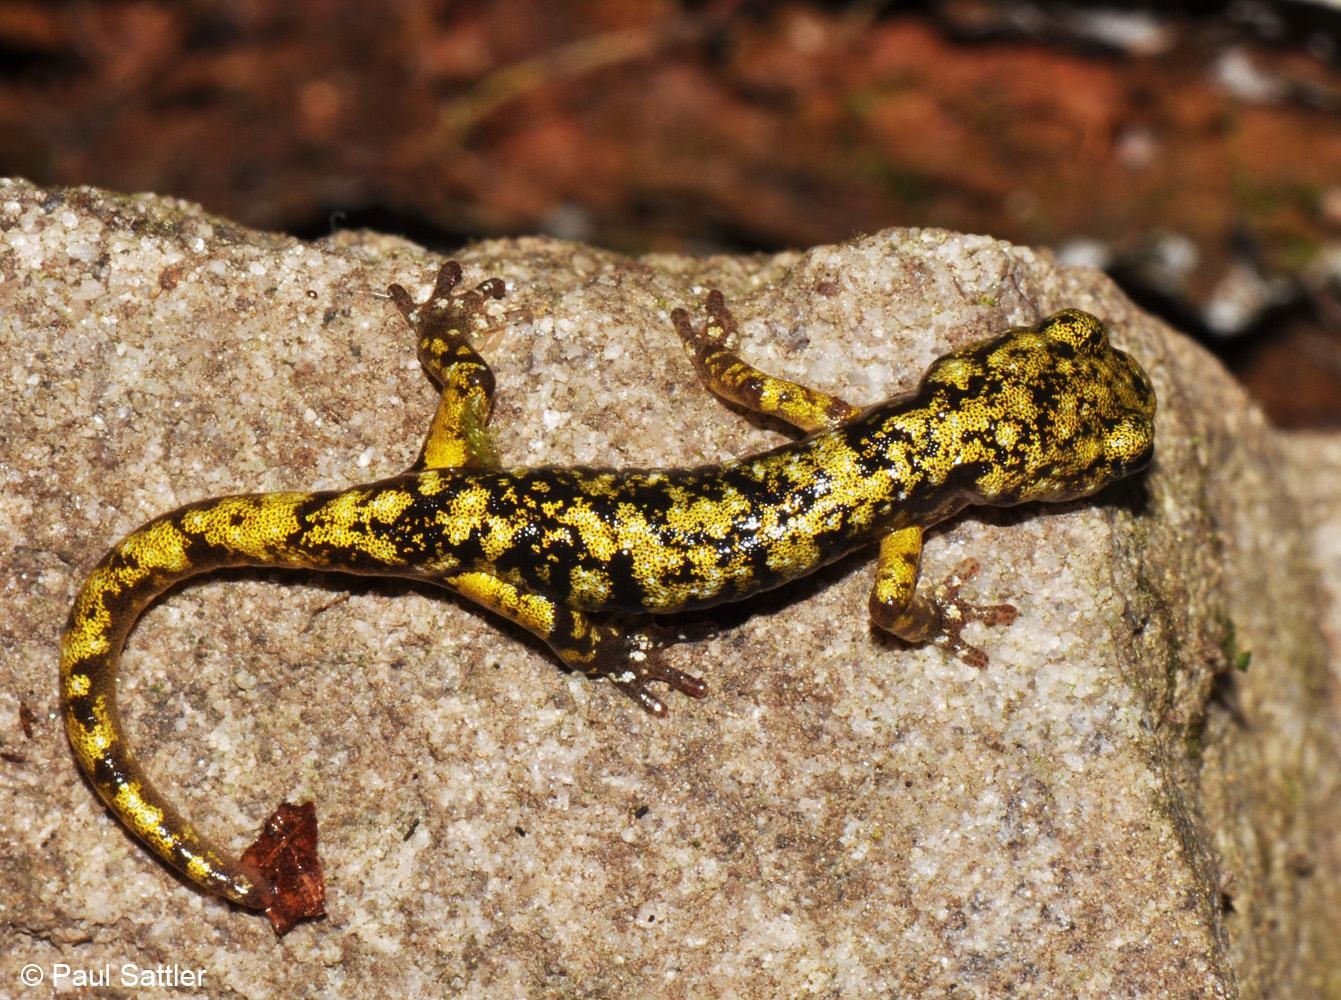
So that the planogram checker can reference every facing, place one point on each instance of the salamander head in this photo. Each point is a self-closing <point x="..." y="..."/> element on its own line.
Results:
<point x="1051" y="412"/>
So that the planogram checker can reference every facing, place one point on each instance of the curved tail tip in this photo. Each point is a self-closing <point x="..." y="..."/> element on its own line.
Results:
<point x="246" y="886"/>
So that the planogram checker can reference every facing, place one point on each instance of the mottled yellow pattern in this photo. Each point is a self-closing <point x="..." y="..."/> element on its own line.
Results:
<point x="1045" y="413"/>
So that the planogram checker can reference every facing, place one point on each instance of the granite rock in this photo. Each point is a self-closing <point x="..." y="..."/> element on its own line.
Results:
<point x="1140" y="795"/>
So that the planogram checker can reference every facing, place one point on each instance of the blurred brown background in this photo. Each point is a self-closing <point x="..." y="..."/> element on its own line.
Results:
<point x="1193" y="150"/>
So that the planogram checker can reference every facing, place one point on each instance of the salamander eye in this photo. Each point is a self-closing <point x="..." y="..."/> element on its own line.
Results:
<point x="1079" y="329"/>
<point x="1129" y="443"/>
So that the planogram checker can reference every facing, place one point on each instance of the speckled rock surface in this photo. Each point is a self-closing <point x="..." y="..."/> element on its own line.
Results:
<point x="1113" y="807"/>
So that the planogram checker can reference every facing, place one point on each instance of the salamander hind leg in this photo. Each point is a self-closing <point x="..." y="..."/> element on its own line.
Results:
<point x="632" y="661"/>
<point x="939" y="618"/>
<point x="736" y="380"/>
<point x="458" y="435"/>
<point x="629" y="659"/>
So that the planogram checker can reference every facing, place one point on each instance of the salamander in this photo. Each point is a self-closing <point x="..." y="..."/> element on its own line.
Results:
<point x="1045" y="413"/>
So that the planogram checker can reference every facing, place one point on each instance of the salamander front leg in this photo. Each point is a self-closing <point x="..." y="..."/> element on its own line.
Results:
<point x="629" y="660"/>
<point x="736" y="380"/>
<point x="458" y="436"/>
<point x="939" y="618"/>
